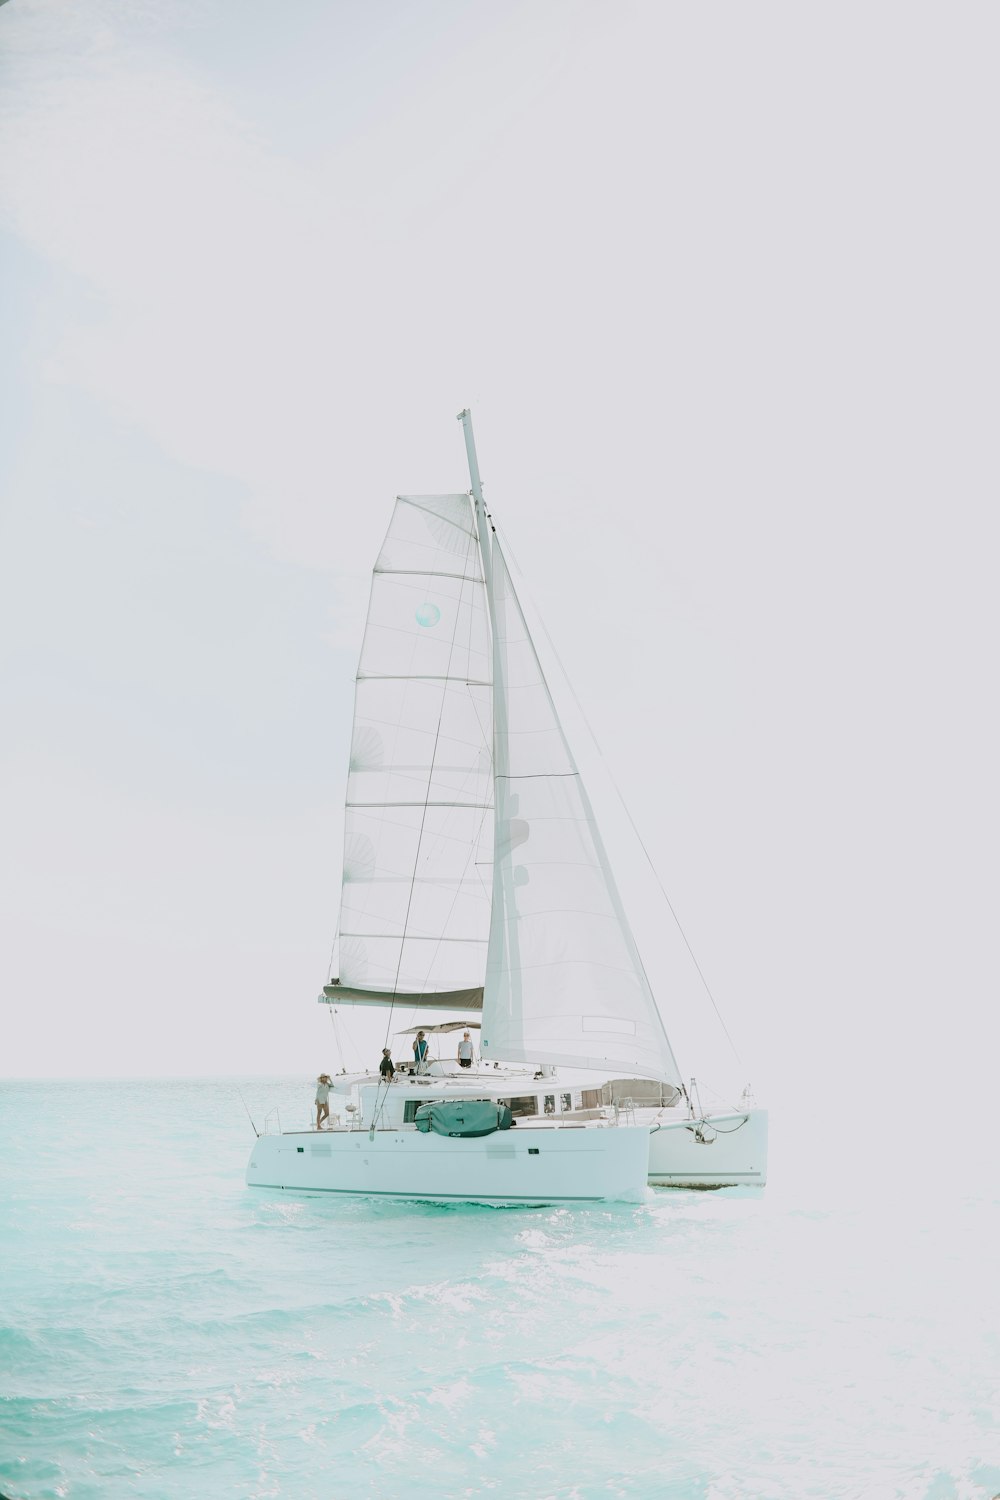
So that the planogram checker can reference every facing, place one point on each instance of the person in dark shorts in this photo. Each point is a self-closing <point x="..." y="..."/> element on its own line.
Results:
<point x="466" y="1051"/>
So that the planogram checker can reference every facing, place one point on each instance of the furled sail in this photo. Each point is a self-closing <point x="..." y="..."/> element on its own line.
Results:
<point x="418" y="833"/>
<point x="468" y="1001"/>
<point x="564" y="981"/>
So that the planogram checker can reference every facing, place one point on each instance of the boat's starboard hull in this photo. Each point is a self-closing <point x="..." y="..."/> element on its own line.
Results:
<point x="723" y="1151"/>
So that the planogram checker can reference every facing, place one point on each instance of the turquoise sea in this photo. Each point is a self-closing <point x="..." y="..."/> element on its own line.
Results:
<point x="166" y="1333"/>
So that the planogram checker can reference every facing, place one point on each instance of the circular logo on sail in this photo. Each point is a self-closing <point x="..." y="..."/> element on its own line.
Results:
<point x="427" y="615"/>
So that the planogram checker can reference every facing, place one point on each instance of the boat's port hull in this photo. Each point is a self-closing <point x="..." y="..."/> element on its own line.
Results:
<point x="726" y="1150"/>
<point x="540" y="1165"/>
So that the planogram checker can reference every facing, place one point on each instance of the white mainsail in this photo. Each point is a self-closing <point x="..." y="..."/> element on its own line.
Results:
<point x="418" y="832"/>
<point x="564" y="981"/>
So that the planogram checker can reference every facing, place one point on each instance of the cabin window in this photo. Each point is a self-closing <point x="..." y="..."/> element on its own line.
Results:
<point x="410" y="1107"/>
<point x="522" y="1104"/>
<point x="550" y="1104"/>
<point x="566" y="1101"/>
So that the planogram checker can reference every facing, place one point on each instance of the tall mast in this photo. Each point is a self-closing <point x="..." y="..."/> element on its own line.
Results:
<point x="485" y="525"/>
<point x="502" y="935"/>
<point x="482" y="520"/>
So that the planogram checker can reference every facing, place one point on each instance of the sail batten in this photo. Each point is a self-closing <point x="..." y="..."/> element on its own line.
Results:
<point x="426" y="573"/>
<point x="420" y="677"/>
<point x="481" y="806"/>
<point x="417" y="937"/>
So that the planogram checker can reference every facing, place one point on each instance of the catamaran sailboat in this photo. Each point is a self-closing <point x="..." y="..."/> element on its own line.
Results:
<point x="475" y="881"/>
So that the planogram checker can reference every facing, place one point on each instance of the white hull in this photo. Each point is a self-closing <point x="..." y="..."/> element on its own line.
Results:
<point x="529" y="1165"/>
<point x="724" y="1150"/>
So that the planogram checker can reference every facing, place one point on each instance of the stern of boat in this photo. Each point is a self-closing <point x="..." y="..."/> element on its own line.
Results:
<point x="721" y="1150"/>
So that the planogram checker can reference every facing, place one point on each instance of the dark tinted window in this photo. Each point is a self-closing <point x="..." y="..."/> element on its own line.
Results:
<point x="524" y="1104"/>
<point x="410" y="1107"/>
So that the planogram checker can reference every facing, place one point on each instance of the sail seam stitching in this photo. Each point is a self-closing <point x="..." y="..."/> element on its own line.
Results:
<point x="469" y="806"/>
<point x="420" y="677"/>
<point x="411" y="937"/>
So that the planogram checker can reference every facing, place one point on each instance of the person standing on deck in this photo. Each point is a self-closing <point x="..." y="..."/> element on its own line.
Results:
<point x="420" y="1052"/>
<point x="466" y="1051"/>
<point x="322" y="1099"/>
<point x="385" y="1067"/>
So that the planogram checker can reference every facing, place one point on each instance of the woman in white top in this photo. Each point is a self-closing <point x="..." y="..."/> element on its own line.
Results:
<point x="322" y="1099"/>
<point x="466" y="1052"/>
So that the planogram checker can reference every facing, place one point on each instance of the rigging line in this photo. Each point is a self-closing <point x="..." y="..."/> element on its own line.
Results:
<point x="717" y="1129"/>
<point x="452" y="838"/>
<point x="421" y="573"/>
<point x="337" y="1043"/>
<point x="628" y="814"/>
<point x="333" y="949"/>
<point x="429" y="510"/>
<point x="465" y="806"/>
<point x="488" y="743"/>
<point x="422" y="937"/>
<point x="460" y="883"/>
<point x="486" y="739"/>
<point x="471" y="772"/>
<point x="538" y="775"/>
<point x="346" y="1042"/>
<point x="421" y="677"/>
<point x="597" y="843"/>
<point x="249" y="1115"/>
<point x="383" y="723"/>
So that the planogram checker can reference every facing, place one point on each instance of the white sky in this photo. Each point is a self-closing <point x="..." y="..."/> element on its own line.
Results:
<point x="719" y="283"/>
